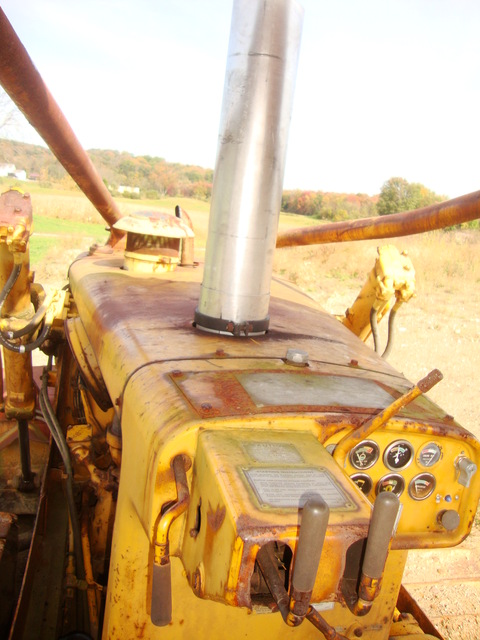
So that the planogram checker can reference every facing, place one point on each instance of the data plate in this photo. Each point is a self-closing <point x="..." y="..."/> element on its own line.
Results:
<point x="291" y="487"/>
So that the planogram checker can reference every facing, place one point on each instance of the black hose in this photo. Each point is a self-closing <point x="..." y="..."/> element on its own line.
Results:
<point x="57" y="434"/>
<point x="29" y="346"/>
<point x="30" y="326"/>
<point x="391" y="322"/>
<point x="374" y="328"/>
<point x="4" y="340"/>
<point x="12" y="278"/>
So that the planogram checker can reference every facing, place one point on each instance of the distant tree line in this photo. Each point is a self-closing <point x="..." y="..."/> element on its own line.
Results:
<point x="156" y="178"/>
<point x="329" y="206"/>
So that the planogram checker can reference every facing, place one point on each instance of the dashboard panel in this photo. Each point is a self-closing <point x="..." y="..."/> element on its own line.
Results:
<point x="430" y="470"/>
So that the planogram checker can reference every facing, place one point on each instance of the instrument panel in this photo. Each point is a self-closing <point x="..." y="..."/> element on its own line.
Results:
<point x="424" y="469"/>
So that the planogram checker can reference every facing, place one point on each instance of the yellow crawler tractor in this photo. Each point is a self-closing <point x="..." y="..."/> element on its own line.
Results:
<point x="219" y="458"/>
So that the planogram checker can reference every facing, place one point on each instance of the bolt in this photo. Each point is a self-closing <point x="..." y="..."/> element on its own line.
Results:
<point x="176" y="373"/>
<point x="220" y="353"/>
<point x="358" y="633"/>
<point x="353" y="363"/>
<point x="297" y="357"/>
<point x="206" y="406"/>
<point x="197" y="581"/>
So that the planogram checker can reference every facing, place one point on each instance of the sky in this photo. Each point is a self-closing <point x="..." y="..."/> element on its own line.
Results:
<point x="384" y="87"/>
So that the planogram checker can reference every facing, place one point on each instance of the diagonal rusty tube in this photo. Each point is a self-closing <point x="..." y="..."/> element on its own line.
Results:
<point x="25" y="86"/>
<point x="436" y="216"/>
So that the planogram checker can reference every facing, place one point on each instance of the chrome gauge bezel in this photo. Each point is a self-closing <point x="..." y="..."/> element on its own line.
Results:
<point x="375" y="456"/>
<point x="367" y="486"/>
<point x="391" y="476"/>
<point x="388" y="450"/>
<point x="437" y="457"/>
<point x="412" y="486"/>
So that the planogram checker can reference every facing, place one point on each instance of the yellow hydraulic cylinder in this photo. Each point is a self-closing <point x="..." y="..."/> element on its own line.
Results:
<point x="392" y="278"/>
<point x="15" y="225"/>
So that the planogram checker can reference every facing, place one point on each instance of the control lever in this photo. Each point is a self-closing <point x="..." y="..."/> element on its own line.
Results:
<point x="363" y="431"/>
<point x="381" y="531"/>
<point x="466" y="469"/>
<point x="161" y="602"/>
<point x="307" y="558"/>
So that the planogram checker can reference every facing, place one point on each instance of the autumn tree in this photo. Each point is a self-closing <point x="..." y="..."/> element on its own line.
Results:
<point x="398" y="194"/>
<point x="8" y="113"/>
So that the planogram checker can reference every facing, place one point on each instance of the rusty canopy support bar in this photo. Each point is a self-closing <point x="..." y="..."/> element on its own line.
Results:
<point x="25" y="86"/>
<point x="436" y="216"/>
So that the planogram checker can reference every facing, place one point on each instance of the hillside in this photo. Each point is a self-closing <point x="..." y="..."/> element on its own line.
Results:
<point x="155" y="178"/>
<point x="150" y="176"/>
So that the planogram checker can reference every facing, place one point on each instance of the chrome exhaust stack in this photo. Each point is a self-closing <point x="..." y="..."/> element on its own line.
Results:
<point x="248" y="179"/>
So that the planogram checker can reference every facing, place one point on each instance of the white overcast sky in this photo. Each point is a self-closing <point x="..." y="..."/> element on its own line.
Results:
<point x="384" y="87"/>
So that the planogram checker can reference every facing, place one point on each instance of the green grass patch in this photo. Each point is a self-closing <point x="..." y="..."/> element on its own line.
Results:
<point x="52" y="235"/>
<point x="72" y="228"/>
<point x="40" y="248"/>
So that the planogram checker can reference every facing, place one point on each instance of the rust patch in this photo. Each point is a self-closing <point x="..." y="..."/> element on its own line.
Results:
<point x="215" y="518"/>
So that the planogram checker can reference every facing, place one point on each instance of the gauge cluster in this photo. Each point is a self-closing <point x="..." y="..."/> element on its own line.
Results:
<point x="397" y="456"/>
<point x="423" y="469"/>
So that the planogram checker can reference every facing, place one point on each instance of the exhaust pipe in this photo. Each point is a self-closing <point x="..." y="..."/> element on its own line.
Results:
<point x="248" y="179"/>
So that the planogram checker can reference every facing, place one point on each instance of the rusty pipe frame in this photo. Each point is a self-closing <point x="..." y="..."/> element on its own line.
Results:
<point x="25" y="86"/>
<point x="436" y="216"/>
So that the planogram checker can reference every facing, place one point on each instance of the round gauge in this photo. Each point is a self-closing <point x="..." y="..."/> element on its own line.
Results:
<point x="398" y="455"/>
<point x="393" y="483"/>
<point x="429" y="455"/>
<point x="363" y="482"/>
<point x="421" y="486"/>
<point x="364" y="454"/>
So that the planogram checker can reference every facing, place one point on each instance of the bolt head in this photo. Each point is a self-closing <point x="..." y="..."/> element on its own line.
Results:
<point x="297" y="357"/>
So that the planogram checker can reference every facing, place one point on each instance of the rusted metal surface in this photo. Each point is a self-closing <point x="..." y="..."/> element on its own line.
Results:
<point x="92" y="599"/>
<point x="8" y="562"/>
<point x="15" y="219"/>
<point x="132" y="323"/>
<point x="23" y="83"/>
<point x="322" y="625"/>
<point x="268" y="562"/>
<point x="436" y="216"/>
<point x="408" y="605"/>
<point x="155" y="223"/>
